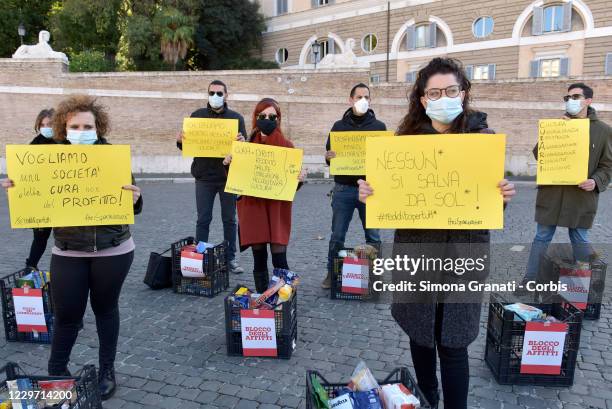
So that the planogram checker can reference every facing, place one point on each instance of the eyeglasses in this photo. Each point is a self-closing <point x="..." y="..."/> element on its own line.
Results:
<point x="434" y="94"/>
<point x="575" y="97"/>
<point x="219" y="93"/>
<point x="271" y="117"/>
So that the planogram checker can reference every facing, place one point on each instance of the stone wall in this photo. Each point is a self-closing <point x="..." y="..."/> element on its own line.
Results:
<point x="147" y="107"/>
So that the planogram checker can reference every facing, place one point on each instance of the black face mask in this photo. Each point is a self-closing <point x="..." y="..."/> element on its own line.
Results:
<point x="266" y="126"/>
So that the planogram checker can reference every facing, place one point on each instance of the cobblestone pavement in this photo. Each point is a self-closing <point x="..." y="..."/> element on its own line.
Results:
<point x="172" y="347"/>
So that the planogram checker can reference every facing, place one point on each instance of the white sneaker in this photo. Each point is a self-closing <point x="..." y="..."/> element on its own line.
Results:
<point x="234" y="268"/>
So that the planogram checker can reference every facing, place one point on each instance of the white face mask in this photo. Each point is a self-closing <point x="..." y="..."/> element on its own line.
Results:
<point x="445" y="109"/>
<point x="216" y="101"/>
<point x="82" y="137"/>
<point x="573" y="106"/>
<point x="361" y="106"/>
<point x="47" y="132"/>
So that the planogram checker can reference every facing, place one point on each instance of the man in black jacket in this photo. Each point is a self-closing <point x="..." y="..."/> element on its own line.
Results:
<point x="211" y="175"/>
<point x="345" y="195"/>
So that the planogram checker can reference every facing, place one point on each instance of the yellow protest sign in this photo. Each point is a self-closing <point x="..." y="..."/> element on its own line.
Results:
<point x="563" y="151"/>
<point x="69" y="185"/>
<point x="208" y="137"/>
<point x="350" y="151"/>
<point x="270" y="172"/>
<point x="435" y="181"/>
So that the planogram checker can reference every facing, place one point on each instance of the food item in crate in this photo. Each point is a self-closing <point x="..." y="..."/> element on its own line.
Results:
<point x="285" y="292"/>
<point x="366" y="251"/>
<point x="35" y="279"/>
<point x="57" y="391"/>
<point x="17" y="387"/>
<point x="275" y="284"/>
<point x="5" y="403"/>
<point x="524" y="312"/>
<point x="321" y="398"/>
<point x="366" y="400"/>
<point x="397" y="396"/>
<point x="202" y="246"/>
<point x="343" y="401"/>
<point x="288" y="276"/>
<point x="362" y="379"/>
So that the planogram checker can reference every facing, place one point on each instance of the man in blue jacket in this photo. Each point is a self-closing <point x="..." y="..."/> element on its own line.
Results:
<point x="345" y="194"/>
<point x="211" y="175"/>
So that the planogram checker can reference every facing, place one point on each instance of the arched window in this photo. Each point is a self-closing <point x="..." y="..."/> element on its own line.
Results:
<point x="554" y="18"/>
<point x="369" y="43"/>
<point x="421" y="36"/>
<point x="483" y="27"/>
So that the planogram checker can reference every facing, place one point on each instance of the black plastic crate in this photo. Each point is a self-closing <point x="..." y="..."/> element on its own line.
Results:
<point x="285" y="321"/>
<point x="336" y="282"/>
<point x="9" y="282"/>
<point x="504" y="345"/>
<point x="550" y="270"/>
<point x="86" y="385"/>
<point x="215" y="269"/>
<point x="398" y="375"/>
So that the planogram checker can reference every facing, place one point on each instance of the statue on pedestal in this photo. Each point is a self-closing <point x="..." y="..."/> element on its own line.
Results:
<point x="40" y="50"/>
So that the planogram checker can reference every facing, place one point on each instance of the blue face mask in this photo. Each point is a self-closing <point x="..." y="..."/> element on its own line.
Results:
<point x="573" y="106"/>
<point x="216" y="101"/>
<point x="47" y="132"/>
<point x="82" y="137"/>
<point x="445" y="109"/>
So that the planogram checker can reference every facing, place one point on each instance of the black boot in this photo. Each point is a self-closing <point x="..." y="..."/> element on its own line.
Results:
<point x="106" y="382"/>
<point x="261" y="279"/>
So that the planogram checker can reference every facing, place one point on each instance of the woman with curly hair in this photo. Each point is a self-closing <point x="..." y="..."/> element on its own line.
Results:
<point x="87" y="261"/>
<point x="439" y="103"/>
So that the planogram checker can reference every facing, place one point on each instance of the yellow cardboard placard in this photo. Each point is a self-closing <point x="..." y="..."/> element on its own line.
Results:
<point x="265" y="171"/>
<point x="435" y="181"/>
<point x="69" y="185"/>
<point x="350" y="151"/>
<point x="208" y="137"/>
<point x="563" y="151"/>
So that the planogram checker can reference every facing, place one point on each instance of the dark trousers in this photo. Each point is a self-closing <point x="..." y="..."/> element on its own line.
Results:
<point x="205" y="200"/>
<point x="454" y="369"/>
<point x="73" y="280"/>
<point x="38" y="247"/>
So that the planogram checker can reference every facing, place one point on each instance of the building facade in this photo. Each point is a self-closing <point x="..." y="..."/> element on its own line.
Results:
<point x="495" y="39"/>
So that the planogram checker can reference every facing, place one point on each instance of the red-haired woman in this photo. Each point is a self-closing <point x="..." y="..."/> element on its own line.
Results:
<point x="265" y="221"/>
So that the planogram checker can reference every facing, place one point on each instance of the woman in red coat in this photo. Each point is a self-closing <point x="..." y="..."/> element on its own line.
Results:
<point x="265" y="221"/>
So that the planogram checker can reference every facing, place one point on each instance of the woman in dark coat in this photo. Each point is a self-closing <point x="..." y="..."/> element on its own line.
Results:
<point x="439" y="103"/>
<point x="265" y="221"/>
<point x="44" y="136"/>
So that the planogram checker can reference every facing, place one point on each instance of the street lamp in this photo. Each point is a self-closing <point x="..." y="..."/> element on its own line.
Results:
<point x="21" y="31"/>
<point x="316" y="48"/>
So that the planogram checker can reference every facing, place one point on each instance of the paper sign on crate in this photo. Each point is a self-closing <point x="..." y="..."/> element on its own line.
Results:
<point x="563" y="151"/>
<point x="69" y="185"/>
<point x="29" y="310"/>
<point x="355" y="275"/>
<point x="192" y="264"/>
<point x="543" y="348"/>
<point x="208" y="137"/>
<point x="435" y="181"/>
<point x="350" y="151"/>
<point x="578" y="283"/>
<point x="258" y="331"/>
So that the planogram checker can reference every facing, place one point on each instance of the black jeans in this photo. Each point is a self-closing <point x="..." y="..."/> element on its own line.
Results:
<point x="38" y="247"/>
<point x="73" y="280"/>
<point x="454" y="369"/>
<point x="205" y="200"/>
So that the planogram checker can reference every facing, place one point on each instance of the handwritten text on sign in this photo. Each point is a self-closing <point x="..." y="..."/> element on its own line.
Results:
<point x="350" y="151"/>
<point x="69" y="185"/>
<point x="563" y="151"/>
<point x="206" y="137"/>
<point x="435" y="181"/>
<point x="258" y="332"/>
<point x="270" y="172"/>
<point x="543" y="348"/>
<point x="29" y="310"/>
